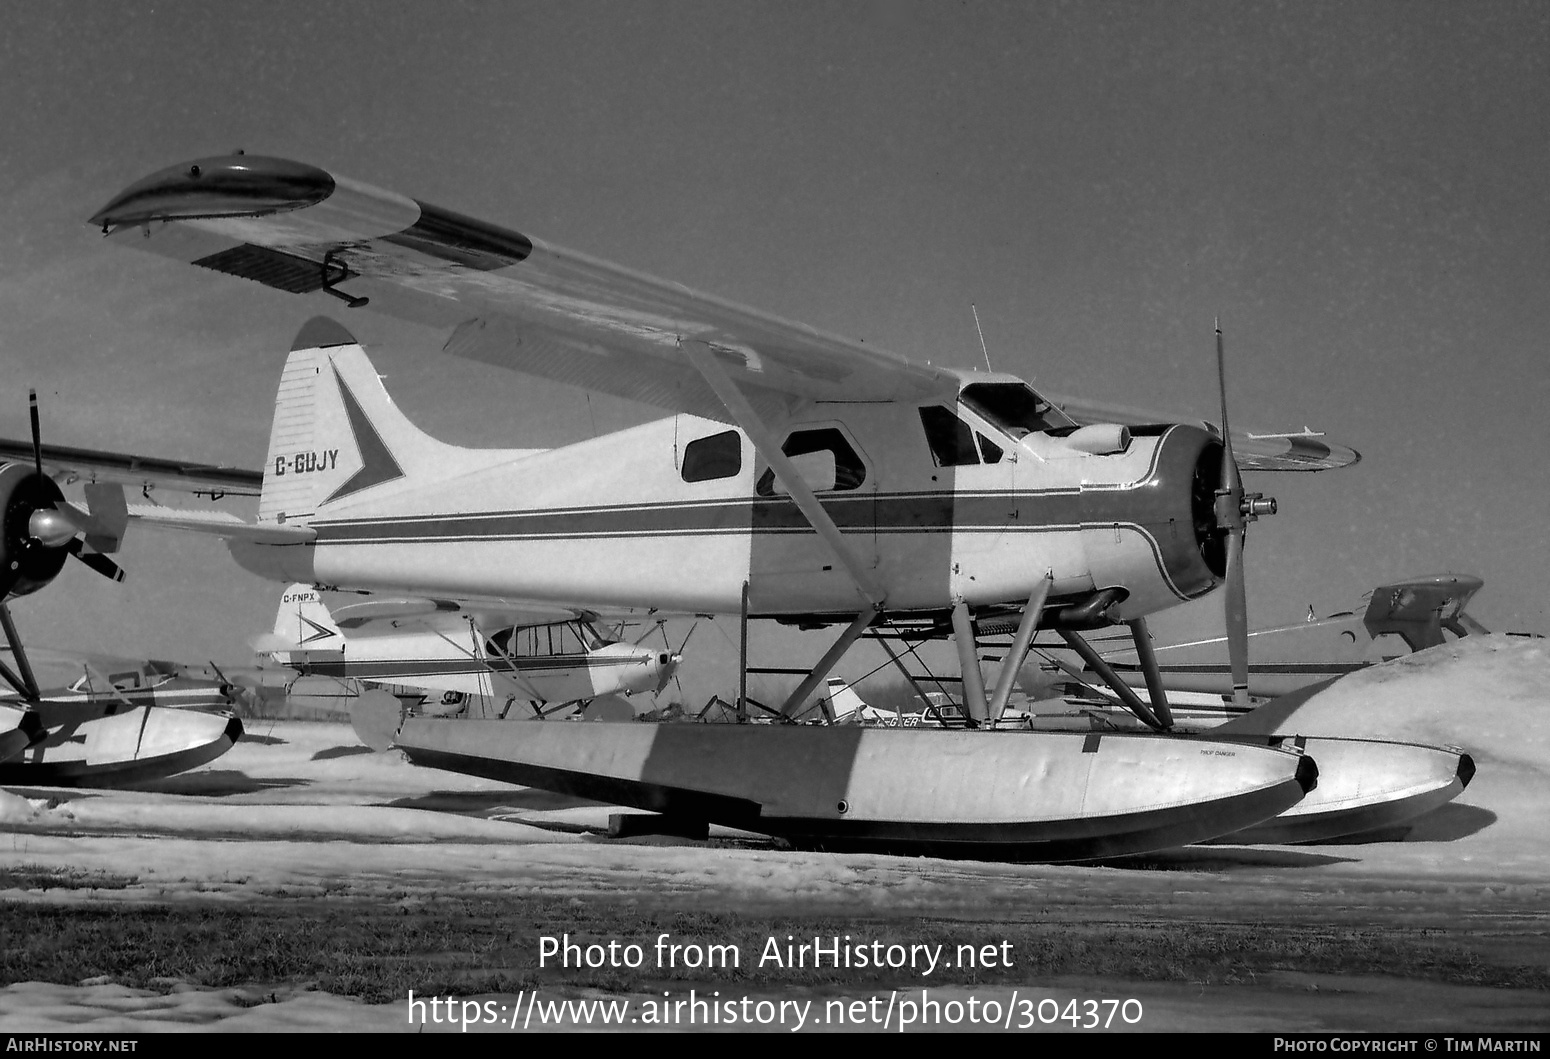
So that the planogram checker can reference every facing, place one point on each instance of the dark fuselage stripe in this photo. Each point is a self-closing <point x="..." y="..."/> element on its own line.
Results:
<point x="868" y="513"/>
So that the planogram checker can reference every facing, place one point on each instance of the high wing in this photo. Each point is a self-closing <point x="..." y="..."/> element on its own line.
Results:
<point x="513" y="300"/>
<point x="530" y="306"/>
<point x="1303" y="451"/>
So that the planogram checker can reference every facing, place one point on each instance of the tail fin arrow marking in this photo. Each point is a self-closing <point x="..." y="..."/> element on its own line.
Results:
<point x="377" y="464"/>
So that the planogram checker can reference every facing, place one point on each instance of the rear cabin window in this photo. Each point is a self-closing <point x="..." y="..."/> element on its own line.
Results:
<point x="950" y="439"/>
<point x="849" y="471"/>
<point x="718" y="456"/>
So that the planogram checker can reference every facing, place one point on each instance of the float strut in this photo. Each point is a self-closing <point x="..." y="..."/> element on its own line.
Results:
<point x="1154" y="685"/>
<point x="975" y="708"/>
<point x="1014" y="657"/>
<point x="1125" y="692"/>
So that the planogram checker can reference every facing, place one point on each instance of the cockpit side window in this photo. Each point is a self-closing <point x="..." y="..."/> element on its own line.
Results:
<point x="950" y="439"/>
<point x="1014" y="407"/>
<point x="539" y="641"/>
<point x="593" y="638"/>
<point x="849" y="471"/>
<point x="718" y="456"/>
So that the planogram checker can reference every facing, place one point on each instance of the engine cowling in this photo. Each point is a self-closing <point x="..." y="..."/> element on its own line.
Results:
<point x="26" y="562"/>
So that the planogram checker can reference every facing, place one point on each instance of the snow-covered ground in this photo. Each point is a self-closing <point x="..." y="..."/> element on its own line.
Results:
<point x="300" y="809"/>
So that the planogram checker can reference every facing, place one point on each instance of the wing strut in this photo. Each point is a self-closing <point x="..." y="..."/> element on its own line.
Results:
<point x="700" y="355"/>
<point x="704" y="361"/>
<point x="827" y="663"/>
<point x="514" y="673"/>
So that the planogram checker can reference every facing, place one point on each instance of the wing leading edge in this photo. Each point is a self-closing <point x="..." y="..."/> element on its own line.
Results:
<point x="513" y="300"/>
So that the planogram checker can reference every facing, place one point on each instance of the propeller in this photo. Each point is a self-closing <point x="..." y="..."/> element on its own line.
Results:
<point x="238" y="695"/>
<point x="55" y="527"/>
<point x="1234" y="510"/>
<point x="674" y="660"/>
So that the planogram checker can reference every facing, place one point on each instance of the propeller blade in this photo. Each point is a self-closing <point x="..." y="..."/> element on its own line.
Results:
<point x="1231" y="520"/>
<point x="1237" y="613"/>
<point x="97" y="561"/>
<point x="236" y="694"/>
<point x="37" y="433"/>
<point x="1231" y="479"/>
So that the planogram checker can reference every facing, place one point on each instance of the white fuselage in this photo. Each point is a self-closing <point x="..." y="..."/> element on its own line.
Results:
<point x="612" y="524"/>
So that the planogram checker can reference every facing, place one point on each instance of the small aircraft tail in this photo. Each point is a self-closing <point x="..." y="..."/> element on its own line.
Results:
<point x="338" y="438"/>
<point x="841" y="703"/>
<point x="303" y="629"/>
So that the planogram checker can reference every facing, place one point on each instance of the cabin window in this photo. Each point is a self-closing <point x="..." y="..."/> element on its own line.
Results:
<point x="538" y="641"/>
<point x="718" y="456"/>
<point x="989" y="449"/>
<point x="849" y="471"/>
<point x="1014" y="407"/>
<point x="951" y="440"/>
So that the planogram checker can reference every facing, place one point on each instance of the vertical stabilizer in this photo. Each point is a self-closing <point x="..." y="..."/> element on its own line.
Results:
<point x="844" y="705"/>
<point x="303" y="628"/>
<point x="337" y="436"/>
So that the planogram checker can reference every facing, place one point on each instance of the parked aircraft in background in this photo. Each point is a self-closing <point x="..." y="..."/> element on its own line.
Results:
<point x="448" y="657"/>
<point x="121" y="721"/>
<point x="1393" y="619"/>
<point x="140" y="721"/>
<point x="95" y="737"/>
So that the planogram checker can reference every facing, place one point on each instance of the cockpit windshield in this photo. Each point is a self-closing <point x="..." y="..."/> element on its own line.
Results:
<point x="1014" y="407"/>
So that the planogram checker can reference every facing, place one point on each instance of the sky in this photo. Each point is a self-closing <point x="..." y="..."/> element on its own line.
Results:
<point x="1355" y="189"/>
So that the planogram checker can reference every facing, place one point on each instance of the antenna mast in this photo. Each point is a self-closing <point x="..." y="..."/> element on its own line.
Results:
<point x="981" y="331"/>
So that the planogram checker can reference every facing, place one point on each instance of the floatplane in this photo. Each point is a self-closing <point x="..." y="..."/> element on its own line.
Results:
<point x="801" y="477"/>
<point x="137" y="722"/>
<point x="441" y="660"/>
<point x="142" y="721"/>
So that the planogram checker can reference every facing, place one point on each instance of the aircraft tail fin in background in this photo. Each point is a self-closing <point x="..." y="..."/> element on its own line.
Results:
<point x="1419" y="609"/>
<point x="337" y="435"/>
<point x="303" y="629"/>
<point x="842" y="704"/>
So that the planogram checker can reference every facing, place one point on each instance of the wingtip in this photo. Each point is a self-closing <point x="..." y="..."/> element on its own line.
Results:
<point x="322" y="332"/>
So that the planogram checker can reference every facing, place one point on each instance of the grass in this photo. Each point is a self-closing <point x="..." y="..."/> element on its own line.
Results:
<point x="379" y="951"/>
<point x="43" y="877"/>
